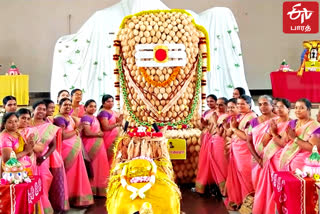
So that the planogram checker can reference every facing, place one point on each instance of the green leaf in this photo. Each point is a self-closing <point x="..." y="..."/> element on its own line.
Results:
<point x="59" y="51"/>
<point x="75" y="40"/>
<point x="230" y="86"/>
<point x="83" y="91"/>
<point x="70" y="61"/>
<point x="235" y="28"/>
<point x="88" y="41"/>
<point x="216" y="89"/>
<point x="95" y="63"/>
<point x="67" y="46"/>
<point x="215" y="49"/>
<point x="240" y="54"/>
<point x="233" y="47"/>
<point x="218" y="67"/>
<point x="109" y="46"/>
<point x="104" y="74"/>
<point x="65" y="75"/>
<point x="72" y="87"/>
<point x="229" y="31"/>
<point x="237" y="65"/>
<point x="77" y="51"/>
<point x="79" y="68"/>
<point x="218" y="36"/>
<point x="99" y="78"/>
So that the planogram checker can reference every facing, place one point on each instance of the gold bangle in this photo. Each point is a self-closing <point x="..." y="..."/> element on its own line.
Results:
<point x="233" y="129"/>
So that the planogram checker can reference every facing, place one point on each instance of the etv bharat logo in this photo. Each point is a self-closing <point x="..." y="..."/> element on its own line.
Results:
<point x="300" y="17"/>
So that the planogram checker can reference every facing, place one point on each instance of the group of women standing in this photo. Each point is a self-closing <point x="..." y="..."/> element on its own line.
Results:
<point x="66" y="145"/>
<point x="240" y="150"/>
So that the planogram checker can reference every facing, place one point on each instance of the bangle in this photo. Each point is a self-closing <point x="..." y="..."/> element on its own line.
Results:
<point x="296" y="140"/>
<point x="233" y="129"/>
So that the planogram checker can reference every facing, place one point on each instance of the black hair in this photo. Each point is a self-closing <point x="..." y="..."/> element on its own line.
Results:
<point x="241" y="90"/>
<point x="284" y="101"/>
<point x="232" y="100"/>
<point x="36" y="104"/>
<point x="8" y="98"/>
<point x="63" y="100"/>
<point x="23" y="111"/>
<point x="213" y="97"/>
<point x="225" y="100"/>
<point x="88" y="102"/>
<point x="60" y="92"/>
<point x="105" y="98"/>
<point x="246" y="98"/>
<point x="47" y="102"/>
<point x="306" y="102"/>
<point x="74" y="91"/>
<point x="5" y="117"/>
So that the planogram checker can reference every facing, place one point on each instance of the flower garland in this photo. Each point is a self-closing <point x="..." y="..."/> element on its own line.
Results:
<point x="172" y="77"/>
<point x="135" y="191"/>
<point x="144" y="123"/>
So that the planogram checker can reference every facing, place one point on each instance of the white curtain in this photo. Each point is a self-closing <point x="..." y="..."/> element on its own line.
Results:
<point x="84" y="60"/>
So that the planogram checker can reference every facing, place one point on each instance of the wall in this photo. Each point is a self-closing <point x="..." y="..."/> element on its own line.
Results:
<point x="30" y="28"/>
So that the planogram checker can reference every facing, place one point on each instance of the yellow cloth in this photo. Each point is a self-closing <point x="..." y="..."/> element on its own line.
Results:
<point x="164" y="196"/>
<point x="15" y="85"/>
<point x="56" y="110"/>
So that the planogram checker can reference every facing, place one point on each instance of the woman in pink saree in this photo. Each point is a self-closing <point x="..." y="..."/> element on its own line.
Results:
<point x="79" y="188"/>
<point x="263" y="200"/>
<point x="92" y="138"/>
<point x="203" y="176"/>
<point x="302" y="135"/>
<point x="258" y="137"/>
<point x="50" y="163"/>
<point x="77" y="109"/>
<point x="213" y="167"/>
<point x="110" y="122"/>
<point x="12" y="140"/>
<point x="239" y="183"/>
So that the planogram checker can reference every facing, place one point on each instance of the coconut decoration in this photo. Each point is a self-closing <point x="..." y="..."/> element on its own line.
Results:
<point x="160" y="58"/>
<point x="14" y="171"/>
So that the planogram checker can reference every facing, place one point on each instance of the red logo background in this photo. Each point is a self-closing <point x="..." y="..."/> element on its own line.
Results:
<point x="303" y="22"/>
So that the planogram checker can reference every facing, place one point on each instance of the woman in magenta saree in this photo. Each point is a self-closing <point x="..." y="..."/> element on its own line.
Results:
<point x="239" y="183"/>
<point x="110" y="122"/>
<point x="50" y="163"/>
<point x="79" y="189"/>
<point x="258" y="137"/>
<point x="203" y="175"/>
<point x="303" y="134"/>
<point x="92" y="138"/>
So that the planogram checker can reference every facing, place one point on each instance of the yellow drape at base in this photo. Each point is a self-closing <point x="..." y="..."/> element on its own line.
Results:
<point x="15" y="85"/>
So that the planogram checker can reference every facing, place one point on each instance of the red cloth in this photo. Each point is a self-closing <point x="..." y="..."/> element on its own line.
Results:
<point x="289" y="85"/>
<point x="294" y="195"/>
<point x="20" y="198"/>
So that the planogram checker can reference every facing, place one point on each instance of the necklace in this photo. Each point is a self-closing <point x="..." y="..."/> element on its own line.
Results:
<point x="172" y="77"/>
<point x="300" y="123"/>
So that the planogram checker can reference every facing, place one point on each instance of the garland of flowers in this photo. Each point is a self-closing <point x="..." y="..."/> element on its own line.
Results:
<point x="150" y="179"/>
<point x="184" y="121"/>
<point x="172" y="77"/>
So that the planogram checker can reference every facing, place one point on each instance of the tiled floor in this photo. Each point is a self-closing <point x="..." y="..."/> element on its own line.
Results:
<point x="191" y="203"/>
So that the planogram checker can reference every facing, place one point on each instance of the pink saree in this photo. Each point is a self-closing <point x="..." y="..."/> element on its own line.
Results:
<point x="109" y="136"/>
<point x="218" y="160"/>
<point x="79" y="189"/>
<point x="239" y="184"/>
<point x="52" y="173"/>
<point x="263" y="203"/>
<point x="16" y="144"/>
<point x="203" y="175"/>
<point x="98" y="156"/>
<point x="292" y="157"/>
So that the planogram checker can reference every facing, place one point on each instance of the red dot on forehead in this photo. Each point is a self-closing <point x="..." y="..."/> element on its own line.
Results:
<point x="160" y="54"/>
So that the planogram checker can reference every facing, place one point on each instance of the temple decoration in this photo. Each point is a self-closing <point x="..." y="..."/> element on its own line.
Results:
<point x="311" y="60"/>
